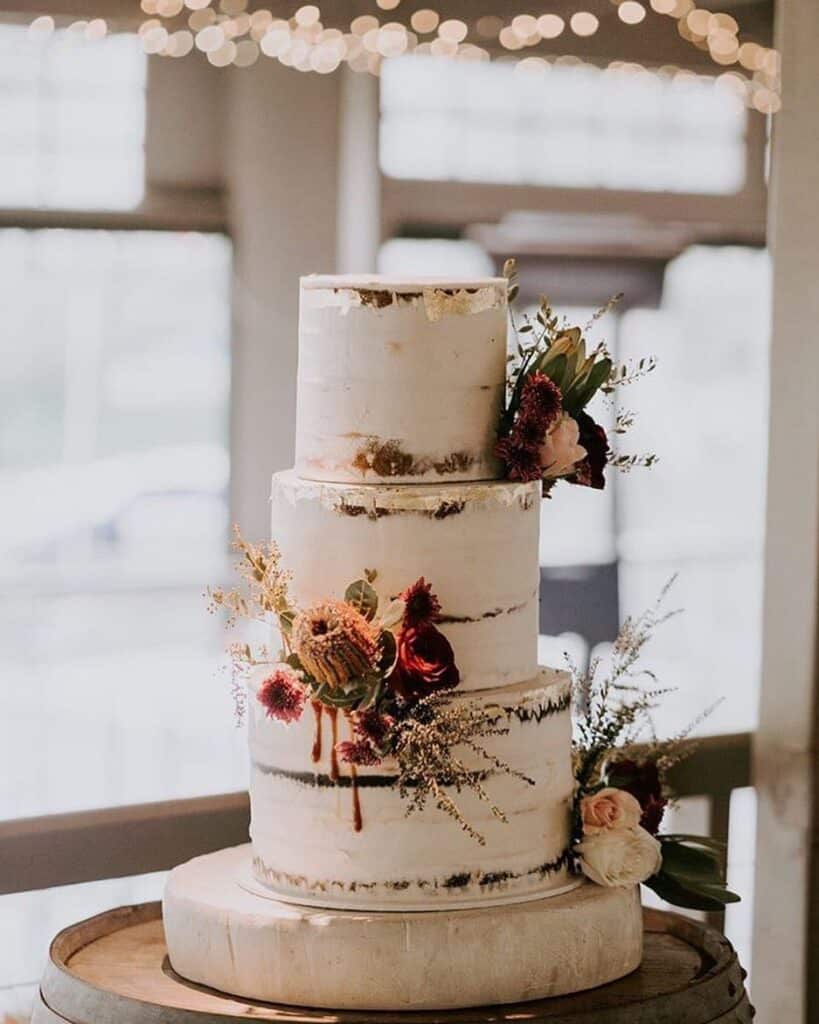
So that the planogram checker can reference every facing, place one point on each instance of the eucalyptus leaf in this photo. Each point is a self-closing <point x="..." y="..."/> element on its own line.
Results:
<point x="363" y="598"/>
<point x="286" y="619"/>
<point x="294" y="662"/>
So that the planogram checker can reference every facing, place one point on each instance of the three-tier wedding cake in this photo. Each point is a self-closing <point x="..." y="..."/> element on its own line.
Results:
<point x="412" y="788"/>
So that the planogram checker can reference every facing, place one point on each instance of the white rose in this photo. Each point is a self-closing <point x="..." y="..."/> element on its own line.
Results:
<point x="560" y="451"/>
<point x="620" y="857"/>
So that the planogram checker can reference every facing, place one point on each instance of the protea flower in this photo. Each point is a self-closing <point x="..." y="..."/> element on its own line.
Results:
<point x="335" y="643"/>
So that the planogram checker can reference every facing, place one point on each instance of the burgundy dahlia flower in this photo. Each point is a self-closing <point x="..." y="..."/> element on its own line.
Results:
<point x="282" y="696"/>
<point x="540" y="401"/>
<point x="358" y="752"/>
<point x="522" y="460"/>
<point x="373" y="726"/>
<point x="422" y="606"/>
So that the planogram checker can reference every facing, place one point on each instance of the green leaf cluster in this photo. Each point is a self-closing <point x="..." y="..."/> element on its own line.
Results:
<point x="363" y="598"/>
<point x="692" y="873"/>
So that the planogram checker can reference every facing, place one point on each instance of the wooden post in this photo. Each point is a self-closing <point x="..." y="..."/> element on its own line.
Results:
<point x="281" y="170"/>
<point x="359" y="177"/>
<point x="785" y="978"/>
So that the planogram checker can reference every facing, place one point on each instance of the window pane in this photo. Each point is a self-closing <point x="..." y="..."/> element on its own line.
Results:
<point x="569" y="126"/>
<point x="114" y="473"/>
<point x="700" y="511"/>
<point x="72" y="120"/>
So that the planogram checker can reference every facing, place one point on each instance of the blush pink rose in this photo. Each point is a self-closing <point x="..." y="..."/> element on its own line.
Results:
<point x="561" y="449"/>
<point x="609" y="809"/>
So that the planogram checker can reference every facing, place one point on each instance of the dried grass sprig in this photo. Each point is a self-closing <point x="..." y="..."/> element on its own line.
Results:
<point x="425" y="744"/>
<point x="613" y="710"/>
<point x="264" y="589"/>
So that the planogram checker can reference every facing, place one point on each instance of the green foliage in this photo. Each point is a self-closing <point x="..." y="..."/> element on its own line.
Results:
<point x="363" y="598"/>
<point x="692" y="874"/>
<point x="294" y="662"/>
<point x="355" y="695"/>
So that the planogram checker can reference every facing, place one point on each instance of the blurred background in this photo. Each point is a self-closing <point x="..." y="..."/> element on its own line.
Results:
<point x="155" y="215"/>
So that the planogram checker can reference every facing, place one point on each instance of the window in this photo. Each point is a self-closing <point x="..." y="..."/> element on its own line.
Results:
<point x="72" y="124"/>
<point x="114" y="470"/>
<point x="573" y="126"/>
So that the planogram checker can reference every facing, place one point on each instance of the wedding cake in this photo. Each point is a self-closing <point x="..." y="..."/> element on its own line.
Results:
<point x="412" y="788"/>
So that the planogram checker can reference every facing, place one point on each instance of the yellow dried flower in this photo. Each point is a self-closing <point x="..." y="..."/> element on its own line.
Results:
<point x="334" y="643"/>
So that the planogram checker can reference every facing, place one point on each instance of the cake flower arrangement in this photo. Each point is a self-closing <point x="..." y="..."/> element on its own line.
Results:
<point x="622" y="787"/>
<point x="546" y="432"/>
<point x="387" y="675"/>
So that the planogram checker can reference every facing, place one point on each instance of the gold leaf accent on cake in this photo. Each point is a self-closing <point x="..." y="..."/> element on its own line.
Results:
<point x="388" y="458"/>
<point x="439" y="302"/>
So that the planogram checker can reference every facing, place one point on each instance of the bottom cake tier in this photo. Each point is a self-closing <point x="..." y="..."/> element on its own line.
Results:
<point x="327" y="837"/>
<point x="225" y="931"/>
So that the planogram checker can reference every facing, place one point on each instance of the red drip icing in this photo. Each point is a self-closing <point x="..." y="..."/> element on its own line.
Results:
<point x="334" y="773"/>
<point x="317" y="712"/>
<point x="358" y="821"/>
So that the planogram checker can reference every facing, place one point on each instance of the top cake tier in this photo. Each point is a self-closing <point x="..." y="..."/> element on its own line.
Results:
<point x="400" y="381"/>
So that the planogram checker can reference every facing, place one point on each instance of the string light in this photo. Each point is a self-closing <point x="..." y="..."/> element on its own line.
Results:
<point x="584" y="23"/>
<point x="453" y="31"/>
<point x="631" y="12"/>
<point x="425" y="20"/>
<point x="238" y="36"/>
<point x="550" y="26"/>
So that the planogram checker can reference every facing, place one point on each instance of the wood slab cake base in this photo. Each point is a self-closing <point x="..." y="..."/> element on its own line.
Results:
<point x="221" y="935"/>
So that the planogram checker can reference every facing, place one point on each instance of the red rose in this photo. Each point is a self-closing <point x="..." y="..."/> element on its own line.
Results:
<point x="591" y="471"/>
<point x="425" y="663"/>
<point x="643" y="781"/>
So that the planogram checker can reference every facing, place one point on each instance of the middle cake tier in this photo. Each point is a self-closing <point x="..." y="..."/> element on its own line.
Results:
<point x="475" y="543"/>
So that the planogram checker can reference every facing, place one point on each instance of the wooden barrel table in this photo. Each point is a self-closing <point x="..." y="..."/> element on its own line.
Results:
<point x="114" y="969"/>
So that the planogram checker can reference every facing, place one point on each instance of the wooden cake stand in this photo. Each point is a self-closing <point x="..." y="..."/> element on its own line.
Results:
<point x="113" y="969"/>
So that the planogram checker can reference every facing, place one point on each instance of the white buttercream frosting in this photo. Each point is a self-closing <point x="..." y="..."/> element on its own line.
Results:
<point x="306" y="847"/>
<point x="476" y="543"/>
<point x="400" y="380"/>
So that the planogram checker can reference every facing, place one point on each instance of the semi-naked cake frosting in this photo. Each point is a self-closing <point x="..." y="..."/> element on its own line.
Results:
<point x="307" y="847"/>
<point x="350" y="895"/>
<point x="399" y="381"/>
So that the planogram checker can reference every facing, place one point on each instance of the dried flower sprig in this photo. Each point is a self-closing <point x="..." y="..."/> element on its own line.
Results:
<point x="616" y="748"/>
<point x="613" y="710"/>
<point x="266" y="583"/>
<point x="425" y="746"/>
